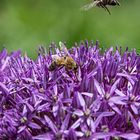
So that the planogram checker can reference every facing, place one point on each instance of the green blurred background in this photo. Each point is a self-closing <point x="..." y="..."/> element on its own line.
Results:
<point x="26" y="24"/>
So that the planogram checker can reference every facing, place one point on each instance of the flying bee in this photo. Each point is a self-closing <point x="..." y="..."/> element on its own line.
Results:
<point x="102" y="4"/>
<point x="65" y="60"/>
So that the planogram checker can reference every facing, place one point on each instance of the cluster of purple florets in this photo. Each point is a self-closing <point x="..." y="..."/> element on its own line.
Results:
<point x="101" y="100"/>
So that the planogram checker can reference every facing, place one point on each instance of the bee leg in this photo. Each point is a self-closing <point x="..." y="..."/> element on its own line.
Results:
<point x="118" y="3"/>
<point x="106" y="9"/>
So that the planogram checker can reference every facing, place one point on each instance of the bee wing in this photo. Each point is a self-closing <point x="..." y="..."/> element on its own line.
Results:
<point x="63" y="48"/>
<point x="90" y="5"/>
<point x="55" y="57"/>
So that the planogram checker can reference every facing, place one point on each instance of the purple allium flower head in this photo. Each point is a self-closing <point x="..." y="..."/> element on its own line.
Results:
<point x="100" y="100"/>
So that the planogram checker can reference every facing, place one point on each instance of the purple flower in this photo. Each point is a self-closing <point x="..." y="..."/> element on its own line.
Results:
<point x="100" y="99"/>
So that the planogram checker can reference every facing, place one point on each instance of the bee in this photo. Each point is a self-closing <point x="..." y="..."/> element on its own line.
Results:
<point x="64" y="60"/>
<point x="102" y="4"/>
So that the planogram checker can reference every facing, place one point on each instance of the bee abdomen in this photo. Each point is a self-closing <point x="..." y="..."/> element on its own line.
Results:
<point x="52" y="66"/>
<point x="112" y="2"/>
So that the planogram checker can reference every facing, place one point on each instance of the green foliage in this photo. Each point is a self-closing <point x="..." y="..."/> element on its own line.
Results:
<point x="29" y="23"/>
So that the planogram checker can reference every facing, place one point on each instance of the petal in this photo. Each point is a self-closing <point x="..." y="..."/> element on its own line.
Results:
<point x="99" y="118"/>
<point x="81" y="100"/>
<point x="72" y="135"/>
<point x="102" y="135"/>
<point x="79" y="75"/>
<point x="106" y="114"/>
<point x="133" y="107"/>
<point x="118" y="100"/>
<point x="21" y="128"/>
<point x="130" y="136"/>
<point x="3" y="54"/>
<point x="89" y="121"/>
<point x="51" y="124"/>
<point x="115" y="108"/>
<point x="55" y="110"/>
<point x="43" y="107"/>
<point x="87" y="94"/>
<point x="139" y="124"/>
<point x="128" y="77"/>
<point x="55" y="89"/>
<point x="4" y="89"/>
<point x="120" y="93"/>
<point x="78" y="112"/>
<point x="77" y="123"/>
<point x="5" y="63"/>
<point x="95" y="106"/>
<point x="96" y="123"/>
<point x="30" y="80"/>
<point x="45" y="136"/>
<point x="99" y="88"/>
<point x="79" y="133"/>
<point x="92" y="73"/>
<point x="133" y="120"/>
<point x="34" y="125"/>
<point x="65" y="123"/>
<point x="30" y="107"/>
<point x="114" y="86"/>
<point x="37" y="103"/>
<point x="24" y="112"/>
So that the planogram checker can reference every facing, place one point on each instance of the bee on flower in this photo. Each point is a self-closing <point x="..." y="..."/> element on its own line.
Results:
<point x="65" y="60"/>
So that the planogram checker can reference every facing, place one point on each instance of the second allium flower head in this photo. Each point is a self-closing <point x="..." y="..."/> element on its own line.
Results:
<point x="100" y="100"/>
